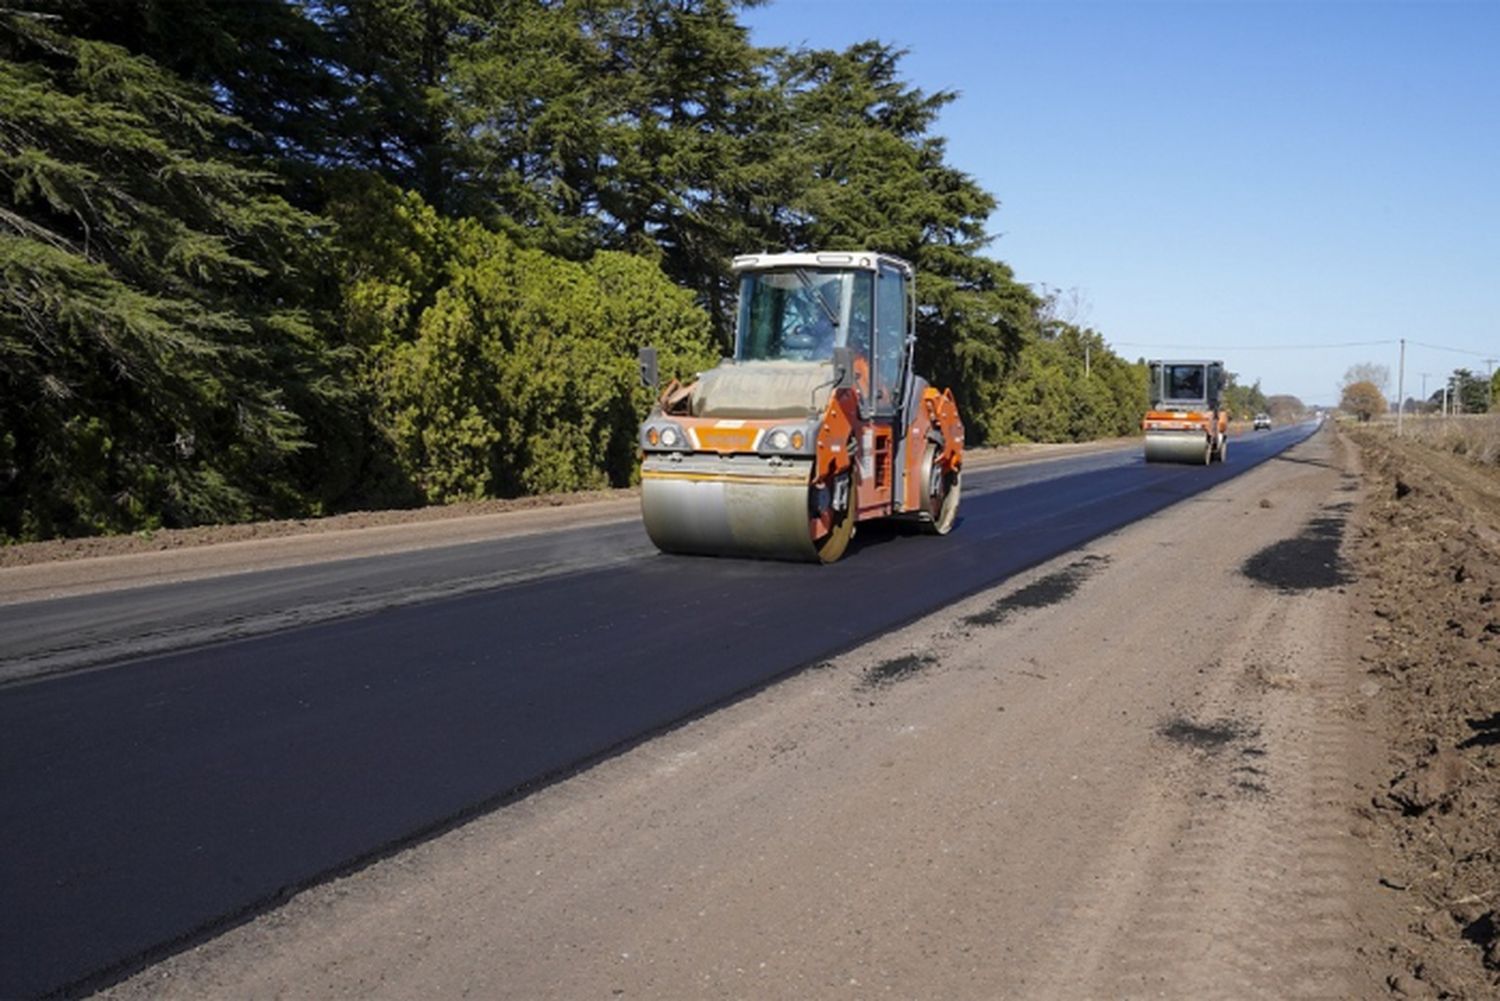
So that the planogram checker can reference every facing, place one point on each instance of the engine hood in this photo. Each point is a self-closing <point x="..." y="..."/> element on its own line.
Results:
<point x="763" y="389"/>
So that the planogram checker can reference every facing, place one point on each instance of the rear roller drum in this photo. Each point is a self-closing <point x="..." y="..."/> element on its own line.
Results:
<point x="944" y="489"/>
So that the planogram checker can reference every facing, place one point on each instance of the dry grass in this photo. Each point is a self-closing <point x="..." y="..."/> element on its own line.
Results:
<point x="1476" y="437"/>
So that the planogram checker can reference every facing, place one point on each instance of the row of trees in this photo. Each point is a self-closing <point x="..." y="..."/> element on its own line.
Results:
<point x="1364" y="388"/>
<point x="1465" y="392"/>
<point x="292" y="256"/>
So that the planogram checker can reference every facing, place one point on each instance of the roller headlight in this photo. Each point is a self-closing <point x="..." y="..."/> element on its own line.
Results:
<point x="663" y="436"/>
<point x="794" y="440"/>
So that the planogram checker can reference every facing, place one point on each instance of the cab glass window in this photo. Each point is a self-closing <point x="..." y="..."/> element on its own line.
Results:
<point x="890" y="337"/>
<point x="791" y="315"/>
<point x="1185" y="382"/>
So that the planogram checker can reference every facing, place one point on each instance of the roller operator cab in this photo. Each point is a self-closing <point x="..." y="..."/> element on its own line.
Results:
<point x="1187" y="421"/>
<point x="817" y="423"/>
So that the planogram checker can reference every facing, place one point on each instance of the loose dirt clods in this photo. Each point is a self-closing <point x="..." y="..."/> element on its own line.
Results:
<point x="1204" y="736"/>
<point x="888" y="672"/>
<point x="1048" y="590"/>
<point x="1246" y="773"/>
<point x="1486" y="733"/>
<point x="1428" y="550"/>
<point x="1310" y="561"/>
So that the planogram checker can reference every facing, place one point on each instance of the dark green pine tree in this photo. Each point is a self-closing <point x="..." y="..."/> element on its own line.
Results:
<point x="531" y="102"/>
<point x="394" y="61"/>
<point x="873" y="175"/>
<point x="157" y="361"/>
<point x="695" y="122"/>
<point x="317" y="84"/>
<point x="648" y="126"/>
<point x="272" y="64"/>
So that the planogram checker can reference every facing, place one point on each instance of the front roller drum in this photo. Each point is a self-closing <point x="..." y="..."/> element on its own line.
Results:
<point x="1182" y="446"/>
<point x="944" y="488"/>
<point x="721" y="508"/>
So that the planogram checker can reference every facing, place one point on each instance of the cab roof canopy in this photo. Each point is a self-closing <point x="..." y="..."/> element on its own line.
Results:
<point x="1184" y="361"/>
<point x="868" y="260"/>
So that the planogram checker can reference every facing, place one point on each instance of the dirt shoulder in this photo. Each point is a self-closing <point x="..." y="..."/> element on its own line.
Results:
<point x="1428" y="553"/>
<point x="65" y="567"/>
<point x="1078" y="784"/>
<point x="167" y="540"/>
<point x="436" y="520"/>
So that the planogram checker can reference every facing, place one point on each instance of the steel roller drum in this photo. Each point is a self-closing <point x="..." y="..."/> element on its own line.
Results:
<point x="728" y="506"/>
<point x="1177" y="446"/>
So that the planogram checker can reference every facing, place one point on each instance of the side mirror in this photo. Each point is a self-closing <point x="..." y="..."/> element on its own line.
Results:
<point x="649" y="374"/>
<point x="843" y="368"/>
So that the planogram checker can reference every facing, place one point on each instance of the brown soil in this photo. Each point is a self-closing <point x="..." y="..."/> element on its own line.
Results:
<point x="1428" y="555"/>
<point x="164" y="540"/>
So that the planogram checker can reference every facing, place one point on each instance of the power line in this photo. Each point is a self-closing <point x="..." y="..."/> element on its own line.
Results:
<point x="1457" y="351"/>
<point x="1297" y="347"/>
<point x="1255" y="347"/>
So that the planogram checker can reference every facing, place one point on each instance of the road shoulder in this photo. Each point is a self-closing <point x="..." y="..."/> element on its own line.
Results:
<point x="1128" y="771"/>
<point x="73" y="567"/>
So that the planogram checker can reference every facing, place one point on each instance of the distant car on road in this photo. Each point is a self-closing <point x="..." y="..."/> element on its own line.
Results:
<point x="1262" y="422"/>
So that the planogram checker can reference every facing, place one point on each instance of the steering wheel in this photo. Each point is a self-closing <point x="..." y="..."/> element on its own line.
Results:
<point x="798" y="337"/>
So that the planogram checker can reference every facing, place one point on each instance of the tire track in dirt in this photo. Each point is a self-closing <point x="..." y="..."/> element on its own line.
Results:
<point x="1242" y="888"/>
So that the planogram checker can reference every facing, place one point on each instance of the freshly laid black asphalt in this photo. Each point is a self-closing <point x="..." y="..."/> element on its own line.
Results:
<point x="39" y="636"/>
<point x="151" y="801"/>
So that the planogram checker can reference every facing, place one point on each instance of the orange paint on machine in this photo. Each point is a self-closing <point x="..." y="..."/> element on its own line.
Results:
<point x="1187" y="421"/>
<point x="818" y="422"/>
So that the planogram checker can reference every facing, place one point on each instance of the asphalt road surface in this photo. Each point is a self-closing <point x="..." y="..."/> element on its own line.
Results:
<point x="154" y="800"/>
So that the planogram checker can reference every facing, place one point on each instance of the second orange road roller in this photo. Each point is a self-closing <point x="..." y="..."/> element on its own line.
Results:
<point x="816" y="424"/>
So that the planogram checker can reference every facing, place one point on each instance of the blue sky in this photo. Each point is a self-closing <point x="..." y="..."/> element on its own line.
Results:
<point x="1262" y="182"/>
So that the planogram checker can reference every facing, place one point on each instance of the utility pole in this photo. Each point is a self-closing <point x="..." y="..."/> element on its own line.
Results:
<point x="1401" y="389"/>
<point x="1490" y="385"/>
<point x="1086" y="359"/>
<point x="1424" y="390"/>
